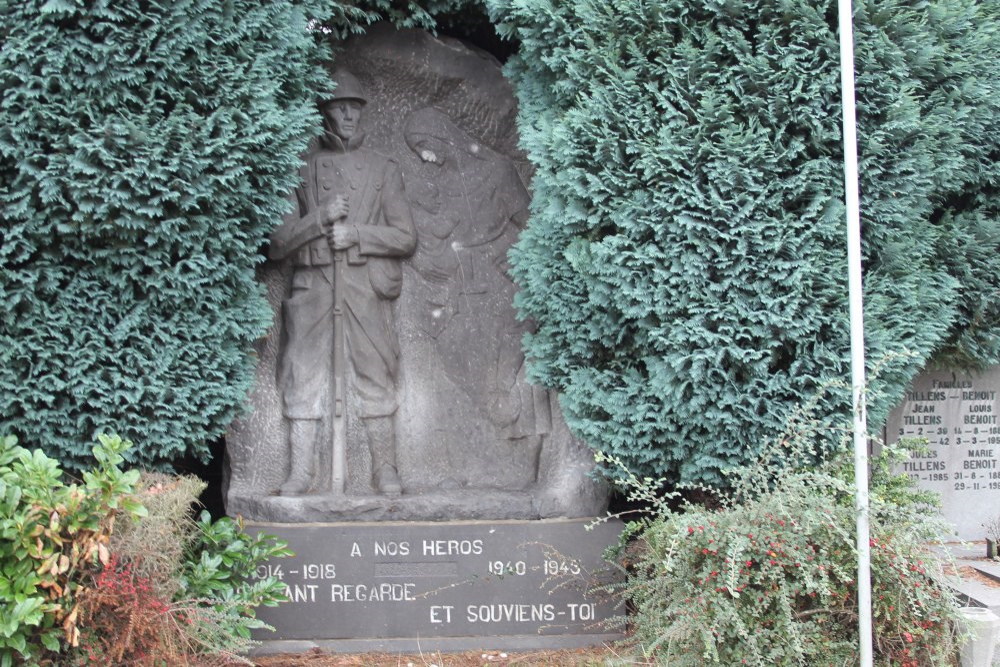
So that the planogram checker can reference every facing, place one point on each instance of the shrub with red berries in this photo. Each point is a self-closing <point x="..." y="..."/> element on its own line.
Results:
<point x="768" y="578"/>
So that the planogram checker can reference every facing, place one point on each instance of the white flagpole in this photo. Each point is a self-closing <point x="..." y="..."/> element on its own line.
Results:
<point x="864" y="582"/>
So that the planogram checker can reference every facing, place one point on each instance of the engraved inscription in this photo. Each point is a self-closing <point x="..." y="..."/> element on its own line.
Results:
<point x="958" y="419"/>
<point x="446" y="580"/>
<point x="957" y="415"/>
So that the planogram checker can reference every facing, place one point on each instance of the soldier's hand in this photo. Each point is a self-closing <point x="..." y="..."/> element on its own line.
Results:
<point x="342" y="237"/>
<point x="336" y="209"/>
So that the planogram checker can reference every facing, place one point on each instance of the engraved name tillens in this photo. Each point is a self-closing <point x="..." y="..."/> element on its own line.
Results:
<point x="959" y="421"/>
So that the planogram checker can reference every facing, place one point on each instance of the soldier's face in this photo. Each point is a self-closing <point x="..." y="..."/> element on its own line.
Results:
<point x="343" y="117"/>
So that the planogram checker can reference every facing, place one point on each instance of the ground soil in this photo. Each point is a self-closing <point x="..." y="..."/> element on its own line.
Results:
<point x="578" y="657"/>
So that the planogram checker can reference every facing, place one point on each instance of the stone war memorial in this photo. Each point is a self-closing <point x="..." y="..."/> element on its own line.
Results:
<point x="435" y="499"/>
<point x="956" y="413"/>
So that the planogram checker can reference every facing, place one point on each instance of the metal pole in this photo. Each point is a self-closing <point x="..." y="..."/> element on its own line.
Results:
<point x="864" y="582"/>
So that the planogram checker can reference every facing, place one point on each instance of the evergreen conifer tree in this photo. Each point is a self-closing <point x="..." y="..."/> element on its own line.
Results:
<point x="145" y="153"/>
<point x="685" y="262"/>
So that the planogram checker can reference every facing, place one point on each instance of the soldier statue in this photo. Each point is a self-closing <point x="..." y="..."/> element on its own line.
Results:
<point x="349" y="231"/>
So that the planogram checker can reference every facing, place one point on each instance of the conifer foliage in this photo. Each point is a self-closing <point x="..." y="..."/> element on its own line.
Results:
<point x="685" y="261"/>
<point x="145" y="149"/>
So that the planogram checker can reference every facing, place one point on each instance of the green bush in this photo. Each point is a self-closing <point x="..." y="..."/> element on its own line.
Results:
<point x="52" y="536"/>
<point x="89" y="574"/>
<point x="145" y="153"/>
<point x="219" y="573"/>
<point x="188" y="587"/>
<point x="769" y="577"/>
<point x="685" y="259"/>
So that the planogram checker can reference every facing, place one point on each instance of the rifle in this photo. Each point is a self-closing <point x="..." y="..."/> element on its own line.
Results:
<point x="338" y="415"/>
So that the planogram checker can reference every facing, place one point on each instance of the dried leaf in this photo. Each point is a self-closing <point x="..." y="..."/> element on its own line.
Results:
<point x="46" y="565"/>
<point x="103" y="554"/>
<point x="69" y="625"/>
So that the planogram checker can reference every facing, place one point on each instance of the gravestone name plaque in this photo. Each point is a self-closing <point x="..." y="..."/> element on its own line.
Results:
<point x="957" y="414"/>
<point x="447" y="586"/>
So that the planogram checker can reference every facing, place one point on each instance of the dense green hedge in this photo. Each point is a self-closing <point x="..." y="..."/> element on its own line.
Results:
<point x="144" y="152"/>
<point x="685" y="261"/>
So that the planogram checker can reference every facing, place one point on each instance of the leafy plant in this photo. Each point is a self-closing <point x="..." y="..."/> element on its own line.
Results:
<point x="90" y="575"/>
<point x="177" y="587"/>
<point x="769" y="577"/>
<point x="52" y="537"/>
<point x="123" y="620"/>
<point x="219" y="573"/>
<point x="155" y="546"/>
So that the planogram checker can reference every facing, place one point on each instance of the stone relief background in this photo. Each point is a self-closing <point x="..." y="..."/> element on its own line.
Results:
<point x="469" y="426"/>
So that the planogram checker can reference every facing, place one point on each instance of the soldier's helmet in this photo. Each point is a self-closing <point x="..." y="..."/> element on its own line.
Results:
<point x="348" y="88"/>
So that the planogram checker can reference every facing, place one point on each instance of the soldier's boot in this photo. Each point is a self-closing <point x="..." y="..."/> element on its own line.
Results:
<point x="382" y="443"/>
<point x="302" y="455"/>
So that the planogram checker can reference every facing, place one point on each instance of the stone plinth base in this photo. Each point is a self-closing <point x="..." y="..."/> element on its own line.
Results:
<point x="438" y="644"/>
<point x="447" y="586"/>
<point x="429" y="506"/>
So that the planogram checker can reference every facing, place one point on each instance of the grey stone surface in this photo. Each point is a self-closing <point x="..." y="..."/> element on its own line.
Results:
<point x="983" y="627"/>
<point x="430" y="506"/>
<point x="443" y="586"/>
<point x="973" y="593"/>
<point x="990" y="569"/>
<point x="441" y="644"/>
<point x="344" y="240"/>
<point x="473" y="439"/>
<point x="970" y="591"/>
<point x="957" y="414"/>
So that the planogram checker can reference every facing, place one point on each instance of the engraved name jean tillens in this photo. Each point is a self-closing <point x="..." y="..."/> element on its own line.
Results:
<point x="345" y="239"/>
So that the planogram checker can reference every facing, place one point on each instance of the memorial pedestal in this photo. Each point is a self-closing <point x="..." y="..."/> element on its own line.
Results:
<point x="438" y="505"/>
<point x="393" y="388"/>
<point x="448" y="586"/>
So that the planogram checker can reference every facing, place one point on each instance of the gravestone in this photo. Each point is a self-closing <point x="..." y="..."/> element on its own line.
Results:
<point x="391" y="405"/>
<point x="957" y="413"/>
